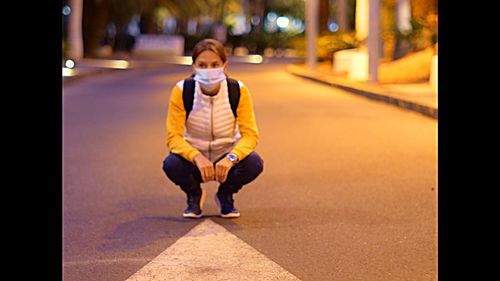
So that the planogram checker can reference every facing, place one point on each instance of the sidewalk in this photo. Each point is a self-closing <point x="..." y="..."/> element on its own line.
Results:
<point x="419" y="97"/>
<point x="83" y="71"/>
<point x="92" y="67"/>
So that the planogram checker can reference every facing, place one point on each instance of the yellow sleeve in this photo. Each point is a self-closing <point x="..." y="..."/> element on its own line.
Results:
<point x="247" y="125"/>
<point x="176" y="119"/>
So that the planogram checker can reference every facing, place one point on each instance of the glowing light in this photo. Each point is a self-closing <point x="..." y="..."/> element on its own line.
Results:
<point x="69" y="64"/>
<point x="119" y="64"/>
<point x="269" y="52"/>
<point x="279" y="53"/>
<point x="247" y="59"/>
<point x="333" y="27"/>
<point x="240" y="25"/>
<point x="299" y="26"/>
<point x="282" y="22"/>
<point x="240" y="51"/>
<point x="272" y="16"/>
<point x="182" y="60"/>
<point x="66" y="10"/>
<point x="255" y="59"/>
<point x="66" y="72"/>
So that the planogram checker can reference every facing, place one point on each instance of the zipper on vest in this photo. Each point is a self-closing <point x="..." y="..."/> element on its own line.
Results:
<point x="211" y="127"/>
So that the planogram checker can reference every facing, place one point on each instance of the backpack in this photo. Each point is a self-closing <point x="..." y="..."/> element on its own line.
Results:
<point x="188" y="94"/>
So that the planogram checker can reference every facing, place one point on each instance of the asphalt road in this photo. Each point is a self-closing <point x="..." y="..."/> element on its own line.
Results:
<point x="348" y="192"/>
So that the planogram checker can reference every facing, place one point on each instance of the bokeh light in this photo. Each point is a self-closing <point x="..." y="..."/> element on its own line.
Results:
<point x="282" y="22"/>
<point x="69" y="64"/>
<point x="66" y="10"/>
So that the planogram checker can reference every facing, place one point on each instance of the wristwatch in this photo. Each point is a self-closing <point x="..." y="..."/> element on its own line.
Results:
<point x="232" y="157"/>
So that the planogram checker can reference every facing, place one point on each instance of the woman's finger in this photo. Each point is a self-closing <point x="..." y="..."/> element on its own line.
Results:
<point x="203" y="174"/>
<point x="210" y="173"/>
<point x="207" y="174"/>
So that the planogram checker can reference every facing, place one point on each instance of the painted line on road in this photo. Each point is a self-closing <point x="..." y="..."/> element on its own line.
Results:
<point x="210" y="252"/>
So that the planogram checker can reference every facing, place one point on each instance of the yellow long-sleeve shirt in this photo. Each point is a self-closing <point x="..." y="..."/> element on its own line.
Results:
<point x="176" y="121"/>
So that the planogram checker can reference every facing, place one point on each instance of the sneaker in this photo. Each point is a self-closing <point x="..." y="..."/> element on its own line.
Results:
<point x="225" y="203"/>
<point x="195" y="204"/>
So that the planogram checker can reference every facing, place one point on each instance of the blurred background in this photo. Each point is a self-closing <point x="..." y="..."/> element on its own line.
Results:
<point x="155" y="29"/>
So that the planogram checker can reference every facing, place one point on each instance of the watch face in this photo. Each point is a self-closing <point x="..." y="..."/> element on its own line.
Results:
<point x="231" y="157"/>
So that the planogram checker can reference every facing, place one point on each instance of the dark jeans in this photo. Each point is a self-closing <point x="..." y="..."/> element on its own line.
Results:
<point x="186" y="175"/>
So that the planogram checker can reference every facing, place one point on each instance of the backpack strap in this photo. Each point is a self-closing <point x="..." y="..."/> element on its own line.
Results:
<point x="188" y="94"/>
<point x="234" y="94"/>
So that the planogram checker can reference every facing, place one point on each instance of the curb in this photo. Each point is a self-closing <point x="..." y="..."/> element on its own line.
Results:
<point x="101" y="66"/>
<point x="70" y="79"/>
<point x="367" y="91"/>
<point x="98" y="70"/>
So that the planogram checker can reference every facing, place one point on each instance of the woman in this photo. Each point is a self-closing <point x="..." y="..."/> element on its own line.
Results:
<point x="211" y="132"/>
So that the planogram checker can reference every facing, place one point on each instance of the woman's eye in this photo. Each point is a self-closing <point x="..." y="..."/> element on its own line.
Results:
<point x="215" y="65"/>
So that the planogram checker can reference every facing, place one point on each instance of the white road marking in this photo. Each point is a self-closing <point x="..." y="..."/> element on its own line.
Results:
<point x="210" y="252"/>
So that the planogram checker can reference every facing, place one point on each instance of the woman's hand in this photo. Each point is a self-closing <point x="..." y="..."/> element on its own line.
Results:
<point x="205" y="166"/>
<point x="222" y="169"/>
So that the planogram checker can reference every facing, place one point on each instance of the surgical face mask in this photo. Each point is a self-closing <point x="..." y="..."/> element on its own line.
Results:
<point x="209" y="78"/>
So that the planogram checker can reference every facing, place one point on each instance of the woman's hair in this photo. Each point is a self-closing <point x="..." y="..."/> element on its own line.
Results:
<point x="209" y="45"/>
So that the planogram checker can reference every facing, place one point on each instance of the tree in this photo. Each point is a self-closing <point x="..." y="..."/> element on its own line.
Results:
<point x="121" y="13"/>
<point x="324" y="15"/>
<point x="257" y="8"/>
<point x="148" y="18"/>
<point x="72" y="32"/>
<point x="95" y="18"/>
<point x="184" y="10"/>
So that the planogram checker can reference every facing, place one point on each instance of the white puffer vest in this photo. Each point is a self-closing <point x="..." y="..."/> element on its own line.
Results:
<point x="211" y="126"/>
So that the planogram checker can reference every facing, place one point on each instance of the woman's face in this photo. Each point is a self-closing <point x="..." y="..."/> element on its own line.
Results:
<point x="208" y="59"/>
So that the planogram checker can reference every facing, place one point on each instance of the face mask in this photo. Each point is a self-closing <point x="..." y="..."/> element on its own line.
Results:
<point x="209" y="78"/>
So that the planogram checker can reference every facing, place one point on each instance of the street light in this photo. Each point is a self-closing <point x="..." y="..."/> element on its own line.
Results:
<point x="69" y="64"/>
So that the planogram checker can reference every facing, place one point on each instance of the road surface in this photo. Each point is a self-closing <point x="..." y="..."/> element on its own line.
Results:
<point x="348" y="192"/>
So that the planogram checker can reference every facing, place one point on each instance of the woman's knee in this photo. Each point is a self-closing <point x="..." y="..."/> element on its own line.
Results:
<point x="255" y="163"/>
<point x="173" y="165"/>
<point x="246" y="171"/>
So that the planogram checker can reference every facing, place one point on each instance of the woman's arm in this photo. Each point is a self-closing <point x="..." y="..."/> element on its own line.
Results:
<point x="176" y="119"/>
<point x="247" y="125"/>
